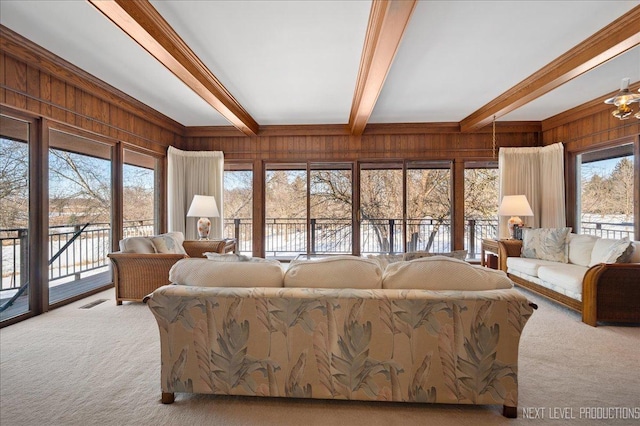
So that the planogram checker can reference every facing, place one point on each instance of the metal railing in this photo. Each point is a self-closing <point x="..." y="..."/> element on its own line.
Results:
<point x="87" y="253"/>
<point x="608" y="229"/>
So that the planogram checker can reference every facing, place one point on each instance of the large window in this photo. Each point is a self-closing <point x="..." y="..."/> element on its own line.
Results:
<point x="238" y="206"/>
<point x="429" y="207"/>
<point x="140" y="198"/>
<point x="481" y="193"/>
<point x="605" y="181"/>
<point x="285" y="210"/>
<point x="330" y="207"/>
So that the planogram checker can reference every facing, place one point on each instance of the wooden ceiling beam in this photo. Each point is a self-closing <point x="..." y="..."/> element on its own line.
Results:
<point x="613" y="40"/>
<point x="142" y="22"/>
<point x="388" y="20"/>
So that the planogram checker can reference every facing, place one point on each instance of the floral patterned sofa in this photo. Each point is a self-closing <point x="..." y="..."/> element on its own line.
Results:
<point x="432" y="330"/>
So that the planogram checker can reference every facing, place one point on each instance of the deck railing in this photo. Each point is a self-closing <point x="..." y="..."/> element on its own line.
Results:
<point x="87" y="253"/>
<point x="288" y="237"/>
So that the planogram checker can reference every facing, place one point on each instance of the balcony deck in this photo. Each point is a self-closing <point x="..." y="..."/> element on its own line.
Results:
<point x="58" y="293"/>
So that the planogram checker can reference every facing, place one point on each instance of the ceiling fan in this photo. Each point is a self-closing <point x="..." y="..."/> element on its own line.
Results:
<point x="622" y="99"/>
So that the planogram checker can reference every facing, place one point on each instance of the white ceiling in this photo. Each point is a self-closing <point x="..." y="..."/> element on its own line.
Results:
<point x="296" y="62"/>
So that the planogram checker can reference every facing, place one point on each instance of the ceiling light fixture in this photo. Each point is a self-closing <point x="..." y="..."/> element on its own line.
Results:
<point x="622" y="100"/>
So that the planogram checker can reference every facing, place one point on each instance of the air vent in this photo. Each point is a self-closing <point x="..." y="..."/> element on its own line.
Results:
<point x="94" y="303"/>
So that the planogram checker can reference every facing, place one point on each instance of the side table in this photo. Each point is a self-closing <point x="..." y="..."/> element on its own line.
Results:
<point x="197" y="248"/>
<point x="491" y="246"/>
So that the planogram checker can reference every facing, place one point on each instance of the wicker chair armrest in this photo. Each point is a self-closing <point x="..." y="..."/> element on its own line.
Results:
<point x="144" y="267"/>
<point x="508" y="248"/>
<point x="607" y="284"/>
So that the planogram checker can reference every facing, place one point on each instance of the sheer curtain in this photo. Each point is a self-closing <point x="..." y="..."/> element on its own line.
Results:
<point x="192" y="173"/>
<point x="537" y="173"/>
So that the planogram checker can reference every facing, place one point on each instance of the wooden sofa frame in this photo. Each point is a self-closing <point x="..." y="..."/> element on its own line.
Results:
<point x="610" y="291"/>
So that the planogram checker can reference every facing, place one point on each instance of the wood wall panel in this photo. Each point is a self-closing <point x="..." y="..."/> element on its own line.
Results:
<point x="427" y="146"/>
<point x="37" y="82"/>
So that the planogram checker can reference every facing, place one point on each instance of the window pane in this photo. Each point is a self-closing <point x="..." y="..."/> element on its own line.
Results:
<point x="606" y="192"/>
<point x="80" y="208"/>
<point x="238" y="208"/>
<point x="14" y="217"/>
<point x="481" y="189"/>
<point x="139" y="194"/>
<point x="381" y="209"/>
<point x="330" y="210"/>
<point x="429" y="208"/>
<point x="286" y="210"/>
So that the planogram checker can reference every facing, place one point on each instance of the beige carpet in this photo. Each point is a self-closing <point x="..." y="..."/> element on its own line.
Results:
<point x="100" y="366"/>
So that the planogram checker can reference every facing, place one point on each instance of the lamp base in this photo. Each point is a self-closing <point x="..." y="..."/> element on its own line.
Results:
<point x="514" y="220"/>
<point x="204" y="226"/>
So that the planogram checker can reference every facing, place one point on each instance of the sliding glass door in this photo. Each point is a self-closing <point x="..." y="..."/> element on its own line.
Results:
<point x="15" y="297"/>
<point x="79" y="215"/>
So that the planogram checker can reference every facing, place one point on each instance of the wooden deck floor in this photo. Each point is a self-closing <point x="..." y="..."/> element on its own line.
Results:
<point x="58" y="293"/>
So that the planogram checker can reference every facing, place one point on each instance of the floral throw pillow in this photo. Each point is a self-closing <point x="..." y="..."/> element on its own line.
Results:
<point x="545" y="244"/>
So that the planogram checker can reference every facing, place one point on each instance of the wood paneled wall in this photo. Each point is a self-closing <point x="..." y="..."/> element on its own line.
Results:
<point x="35" y="81"/>
<point x="428" y="141"/>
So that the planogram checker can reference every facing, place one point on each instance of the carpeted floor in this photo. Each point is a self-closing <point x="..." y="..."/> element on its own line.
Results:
<point x="100" y="366"/>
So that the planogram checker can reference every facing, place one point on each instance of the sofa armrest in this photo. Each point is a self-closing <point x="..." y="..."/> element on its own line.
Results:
<point x="508" y="248"/>
<point x="611" y="292"/>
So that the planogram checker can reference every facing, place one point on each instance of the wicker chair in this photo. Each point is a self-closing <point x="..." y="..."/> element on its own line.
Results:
<point x="136" y="275"/>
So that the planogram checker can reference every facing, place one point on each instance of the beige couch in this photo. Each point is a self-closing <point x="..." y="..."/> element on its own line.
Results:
<point x="595" y="276"/>
<point x="433" y="330"/>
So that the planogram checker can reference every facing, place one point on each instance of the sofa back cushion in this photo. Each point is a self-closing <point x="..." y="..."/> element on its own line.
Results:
<point x="456" y="254"/>
<point x="580" y="248"/>
<point x="206" y="273"/>
<point x="334" y="272"/>
<point x="545" y="244"/>
<point x="611" y="251"/>
<point x="443" y="273"/>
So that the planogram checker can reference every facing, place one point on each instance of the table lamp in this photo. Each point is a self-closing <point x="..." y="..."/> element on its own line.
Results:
<point x="514" y="206"/>
<point x="204" y="207"/>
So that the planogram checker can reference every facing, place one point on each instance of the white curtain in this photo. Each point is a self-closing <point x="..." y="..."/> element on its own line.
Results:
<point x="537" y="173"/>
<point x="193" y="173"/>
<point x="552" y="205"/>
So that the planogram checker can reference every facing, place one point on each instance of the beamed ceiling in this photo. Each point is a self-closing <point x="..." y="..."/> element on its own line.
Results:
<point x="257" y="63"/>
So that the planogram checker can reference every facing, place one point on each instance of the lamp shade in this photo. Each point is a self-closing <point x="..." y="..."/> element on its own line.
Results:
<point x="203" y="206"/>
<point x="515" y="205"/>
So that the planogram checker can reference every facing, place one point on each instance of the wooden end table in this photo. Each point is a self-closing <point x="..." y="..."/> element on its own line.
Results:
<point x="491" y="246"/>
<point x="197" y="248"/>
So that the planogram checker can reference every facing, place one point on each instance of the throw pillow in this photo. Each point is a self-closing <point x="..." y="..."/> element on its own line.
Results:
<point x="137" y="245"/>
<point x="545" y="244"/>
<point x="443" y="273"/>
<point x="334" y="272"/>
<point x="204" y="273"/>
<point x="171" y="242"/>
<point x="227" y="257"/>
<point x="457" y="254"/>
<point x="611" y="251"/>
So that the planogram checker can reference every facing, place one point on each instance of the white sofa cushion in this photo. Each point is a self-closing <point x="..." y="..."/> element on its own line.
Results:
<point x="569" y="277"/>
<point x="580" y="248"/>
<point x="205" y="273"/>
<point x="442" y="273"/>
<point x="611" y="251"/>
<point x="526" y="266"/>
<point x="545" y="243"/>
<point x="334" y="272"/>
